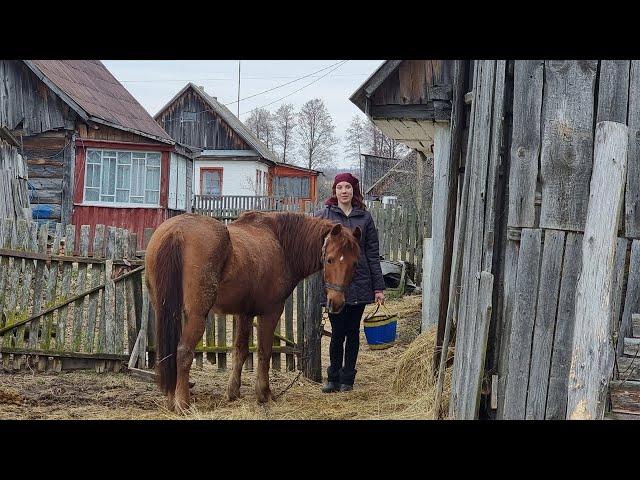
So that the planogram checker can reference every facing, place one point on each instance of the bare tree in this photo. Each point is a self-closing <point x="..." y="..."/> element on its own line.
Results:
<point x="356" y="140"/>
<point x="261" y="123"/>
<point x="315" y="132"/>
<point x="284" y="123"/>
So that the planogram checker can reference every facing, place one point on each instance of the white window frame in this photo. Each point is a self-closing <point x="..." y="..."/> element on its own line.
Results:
<point x="177" y="182"/>
<point x="114" y="204"/>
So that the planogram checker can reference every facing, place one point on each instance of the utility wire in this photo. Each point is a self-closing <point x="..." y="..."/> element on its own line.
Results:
<point x="296" y="91"/>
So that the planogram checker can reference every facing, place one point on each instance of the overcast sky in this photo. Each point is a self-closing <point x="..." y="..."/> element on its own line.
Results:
<point x="154" y="83"/>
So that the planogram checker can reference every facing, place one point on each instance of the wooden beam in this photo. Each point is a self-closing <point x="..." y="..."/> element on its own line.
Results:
<point x="422" y="111"/>
<point x="592" y="355"/>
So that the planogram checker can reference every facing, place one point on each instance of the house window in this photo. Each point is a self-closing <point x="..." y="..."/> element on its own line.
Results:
<point x="291" y="187"/>
<point x="178" y="182"/>
<point x="211" y="181"/>
<point x="122" y="178"/>
<point x="261" y="182"/>
<point x="188" y="116"/>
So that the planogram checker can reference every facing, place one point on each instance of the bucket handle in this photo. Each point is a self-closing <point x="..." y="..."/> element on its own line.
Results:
<point x="389" y="314"/>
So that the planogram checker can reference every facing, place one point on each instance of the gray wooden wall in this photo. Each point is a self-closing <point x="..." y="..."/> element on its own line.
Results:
<point x="535" y="120"/>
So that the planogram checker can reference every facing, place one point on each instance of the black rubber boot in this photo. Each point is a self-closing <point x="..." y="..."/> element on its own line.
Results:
<point x="330" y="387"/>
<point x="344" y="387"/>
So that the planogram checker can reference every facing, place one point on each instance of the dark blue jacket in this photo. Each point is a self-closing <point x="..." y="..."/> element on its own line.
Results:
<point x="368" y="276"/>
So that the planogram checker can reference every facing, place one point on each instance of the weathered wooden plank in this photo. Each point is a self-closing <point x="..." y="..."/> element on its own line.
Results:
<point x="541" y="350"/>
<point x="221" y="339"/>
<point x="31" y="245"/>
<point x="563" y="335"/>
<point x="629" y="368"/>
<point x="476" y="354"/>
<point x="288" y="329"/>
<point x="97" y="274"/>
<point x="40" y="280"/>
<point x="613" y="91"/>
<point x="632" y="191"/>
<point x="300" y="307"/>
<point x="15" y="268"/>
<point x="109" y="302"/>
<point x="632" y="346"/>
<point x="427" y="319"/>
<point x="632" y="299"/>
<point x="567" y="143"/>
<point x="311" y="361"/>
<point x="50" y="293"/>
<point x="618" y="282"/>
<point x="525" y="144"/>
<point x="522" y="323"/>
<point x="636" y="325"/>
<point x="64" y="289"/>
<point x="512" y="252"/>
<point x="276" y="358"/>
<point x="79" y="305"/>
<point x="4" y="261"/>
<point x="472" y="259"/>
<point x="495" y="161"/>
<point x="121" y="313"/>
<point x="591" y="360"/>
<point x="625" y="397"/>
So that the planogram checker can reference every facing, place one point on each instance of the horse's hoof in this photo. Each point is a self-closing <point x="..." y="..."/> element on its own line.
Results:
<point x="232" y="396"/>
<point x="192" y="384"/>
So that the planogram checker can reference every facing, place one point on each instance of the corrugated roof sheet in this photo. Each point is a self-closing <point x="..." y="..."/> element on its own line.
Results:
<point x="100" y="95"/>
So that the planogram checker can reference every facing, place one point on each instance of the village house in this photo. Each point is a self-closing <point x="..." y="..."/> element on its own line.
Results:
<point x="94" y="154"/>
<point x="230" y="160"/>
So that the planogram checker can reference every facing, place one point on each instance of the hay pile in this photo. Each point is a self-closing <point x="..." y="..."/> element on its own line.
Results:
<point x="396" y="383"/>
<point x="391" y="384"/>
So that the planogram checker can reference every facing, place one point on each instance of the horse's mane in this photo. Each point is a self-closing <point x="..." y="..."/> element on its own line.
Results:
<point x="301" y="238"/>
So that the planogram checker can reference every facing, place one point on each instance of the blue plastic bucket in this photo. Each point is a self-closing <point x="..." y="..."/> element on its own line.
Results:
<point x="380" y="331"/>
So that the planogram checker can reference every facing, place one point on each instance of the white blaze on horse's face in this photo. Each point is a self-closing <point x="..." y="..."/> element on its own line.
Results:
<point x="340" y="255"/>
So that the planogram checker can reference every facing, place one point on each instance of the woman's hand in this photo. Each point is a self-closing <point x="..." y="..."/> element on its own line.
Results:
<point x="380" y="297"/>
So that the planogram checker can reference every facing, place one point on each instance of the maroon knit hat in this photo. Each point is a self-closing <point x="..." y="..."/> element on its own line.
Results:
<point x="346" y="177"/>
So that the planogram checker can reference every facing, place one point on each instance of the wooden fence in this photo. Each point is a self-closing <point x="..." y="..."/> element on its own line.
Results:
<point x="401" y="232"/>
<point x="61" y="308"/>
<point x="226" y="208"/>
<point x="64" y="309"/>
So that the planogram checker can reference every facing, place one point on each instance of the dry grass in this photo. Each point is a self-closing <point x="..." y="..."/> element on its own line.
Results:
<point x="391" y="384"/>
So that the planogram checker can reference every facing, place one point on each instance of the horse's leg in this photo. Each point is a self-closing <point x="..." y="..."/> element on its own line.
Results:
<point x="191" y="334"/>
<point x="266" y="328"/>
<point x="240" y="352"/>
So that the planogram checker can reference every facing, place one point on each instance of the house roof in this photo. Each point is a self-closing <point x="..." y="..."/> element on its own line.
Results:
<point x="95" y="94"/>
<point x="364" y="91"/>
<point x="296" y="167"/>
<point x="223" y="112"/>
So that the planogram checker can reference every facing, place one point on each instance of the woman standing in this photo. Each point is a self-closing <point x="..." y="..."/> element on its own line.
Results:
<point x="346" y="207"/>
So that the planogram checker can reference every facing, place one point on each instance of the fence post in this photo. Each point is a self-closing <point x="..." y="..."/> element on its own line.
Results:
<point x="311" y="348"/>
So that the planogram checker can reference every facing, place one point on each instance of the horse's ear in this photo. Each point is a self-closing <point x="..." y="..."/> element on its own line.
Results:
<point x="337" y="228"/>
<point x="357" y="233"/>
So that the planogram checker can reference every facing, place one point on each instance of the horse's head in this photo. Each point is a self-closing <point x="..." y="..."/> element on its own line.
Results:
<point x="340" y="254"/>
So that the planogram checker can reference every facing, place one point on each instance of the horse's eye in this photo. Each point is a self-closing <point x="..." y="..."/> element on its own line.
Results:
<point x="329" y="260"/>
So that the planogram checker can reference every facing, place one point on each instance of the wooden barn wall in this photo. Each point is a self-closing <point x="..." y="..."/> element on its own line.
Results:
<point x="555" y="107"/>
<point x="208" y="131"/>
<point x="26" y="103"/>
<point x="49" y="159"/>
<point x="110" y="134"/>
<point x="411" y="82"/>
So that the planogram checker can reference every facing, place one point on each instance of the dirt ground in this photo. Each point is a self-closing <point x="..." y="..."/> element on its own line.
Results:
<point x="88" y="395"/>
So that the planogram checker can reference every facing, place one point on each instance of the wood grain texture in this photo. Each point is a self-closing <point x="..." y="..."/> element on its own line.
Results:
<point x="522" y="324"/>
<point x="591" y="357"/>
<point x="567" y="143"/>
<point x="550" y="273"/>
<point x="613" y="91"/>
<point x="525" y="143"/>
<point x="632" y="191"/>
<point x="632" y="299"/>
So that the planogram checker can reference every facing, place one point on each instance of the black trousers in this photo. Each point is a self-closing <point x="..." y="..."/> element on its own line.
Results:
<point x="345" y="343"/>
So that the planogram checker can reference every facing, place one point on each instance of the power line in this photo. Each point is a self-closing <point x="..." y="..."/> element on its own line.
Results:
<point x="282" y="85"/>
<point x="194" y="80"/>
<point x="301" y="88"/>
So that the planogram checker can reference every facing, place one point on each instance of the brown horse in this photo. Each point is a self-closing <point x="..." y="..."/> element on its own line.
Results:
<point x="248" y="268"/>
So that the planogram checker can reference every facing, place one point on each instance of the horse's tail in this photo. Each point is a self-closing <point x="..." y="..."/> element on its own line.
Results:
<point x="168" y="308"/>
